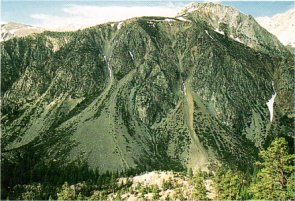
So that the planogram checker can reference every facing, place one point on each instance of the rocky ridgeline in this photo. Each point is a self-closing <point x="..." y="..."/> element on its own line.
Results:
<point x="238" y="26"/>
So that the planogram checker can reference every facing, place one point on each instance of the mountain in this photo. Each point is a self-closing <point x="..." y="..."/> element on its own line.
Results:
<point x="12" y="29"/>
<point x="209" y="86"/>
<point x="281" y="25"/>
<point x="240" y="27"/>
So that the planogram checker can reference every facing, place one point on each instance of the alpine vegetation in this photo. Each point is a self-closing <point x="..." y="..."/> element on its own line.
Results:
<point x="206" y="92"/>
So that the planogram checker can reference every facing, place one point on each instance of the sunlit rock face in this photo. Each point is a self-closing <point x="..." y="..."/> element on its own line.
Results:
<point x="239" y="26"/>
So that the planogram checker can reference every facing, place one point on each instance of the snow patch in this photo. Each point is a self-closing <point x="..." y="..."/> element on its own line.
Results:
<point x="182" y="19"/>
<point x="169" y="20"/>
<point x="152" y="23"/>
<point x="270" y="103"/>
<point x="108" y="64"/>
<point x="184" y="88"/>
<point x="131" y="55"/>
<point x="119" y="26"/>
<point x="217" y="30"/>
<point x="236" y="39"/>
<point x="208" y="34"/>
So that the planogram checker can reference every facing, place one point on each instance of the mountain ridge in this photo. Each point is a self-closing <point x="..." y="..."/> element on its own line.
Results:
<point x="149" y="93"/>
<point x="240" y="27"/>
<point x="283" y="33"/>
<point x="13" y="29"/>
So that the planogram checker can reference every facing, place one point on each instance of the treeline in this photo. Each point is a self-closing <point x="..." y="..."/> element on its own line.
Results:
<point x="273" y="178"/>
<point x="29" y="178"/>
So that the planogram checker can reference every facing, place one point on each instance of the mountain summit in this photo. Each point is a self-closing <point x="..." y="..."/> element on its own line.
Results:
<point x="238" y="26"/>
<point x="147" y="93"/>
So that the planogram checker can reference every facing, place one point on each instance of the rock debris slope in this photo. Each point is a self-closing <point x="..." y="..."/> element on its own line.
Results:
<point x="149" y="92"/>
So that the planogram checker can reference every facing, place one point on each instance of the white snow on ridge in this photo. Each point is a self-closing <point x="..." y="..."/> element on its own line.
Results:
<point x="281" y="25"/>
<point x="270" y="104"/>
<point x="218" y="31"/>
<point x="182" y="19"/>
<point x="169" y="20"/>
<point x="236" y="39"/>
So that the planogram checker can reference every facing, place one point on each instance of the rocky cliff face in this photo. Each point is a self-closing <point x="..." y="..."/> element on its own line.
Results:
<point x="238" y="26"/>
<point x="150" y="92"/>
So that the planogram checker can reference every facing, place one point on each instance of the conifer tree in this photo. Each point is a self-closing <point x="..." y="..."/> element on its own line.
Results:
<point x="228" y="184"/>
<point x="190" y="173"/>
<point x="291" y="187"/>
<point x="224" y="27"/>
<point x="199" y="191"/>
<point x="276" y="166"/>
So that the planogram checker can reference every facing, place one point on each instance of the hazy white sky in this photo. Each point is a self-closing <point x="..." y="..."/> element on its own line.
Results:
<point x="85" y="15"/>
<point x="54" y="14"/>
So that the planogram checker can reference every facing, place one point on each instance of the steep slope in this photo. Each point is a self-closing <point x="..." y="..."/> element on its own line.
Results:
<point x="13" y="29"/>
<point x="238" y="26"/>
<point x="150" y="92"/>
<point x="281" y="25"/>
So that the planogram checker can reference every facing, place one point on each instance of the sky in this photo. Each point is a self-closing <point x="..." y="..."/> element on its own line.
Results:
<point x="55" y="14"/>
